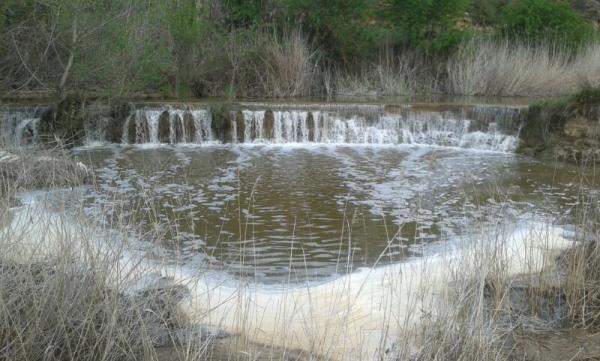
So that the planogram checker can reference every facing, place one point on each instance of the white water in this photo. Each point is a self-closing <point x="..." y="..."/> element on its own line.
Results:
<point x="362" y="315"/>
<point x="426" y="128"/>
<point x="19" y="127"/>
<point x="358" y="316"/>
<point x="147" y="126"/>
<point x="26" y="131"/>
<point x="482" y="128"/>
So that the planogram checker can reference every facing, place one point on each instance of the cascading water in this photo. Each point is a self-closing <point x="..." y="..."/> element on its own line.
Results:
<point x="19" y="127"/>
<point x="156" y="126"/>
<point x="26" y="131"/>
<point x="483" y="128"/>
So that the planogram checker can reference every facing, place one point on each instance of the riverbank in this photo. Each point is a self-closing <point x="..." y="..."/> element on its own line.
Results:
<point x="565" y="130"/>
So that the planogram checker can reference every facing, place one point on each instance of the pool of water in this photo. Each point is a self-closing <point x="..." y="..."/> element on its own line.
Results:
<point x="312" y="211"/>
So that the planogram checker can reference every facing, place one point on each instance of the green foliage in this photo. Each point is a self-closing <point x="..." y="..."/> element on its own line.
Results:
<point x="546" y="21"/>
<point x="542" y="121"/>
<point x="341" y="27"/>
<point x="16" y="11"/>
<point x="244" y="12"/>
<point x="428" y="24"/>
<point x="485" y="12"/>
<point x="586" y="100"/>
<point x="183" y="47"/>
<point x="183" y="23"/>
<point x="447" y="41"/>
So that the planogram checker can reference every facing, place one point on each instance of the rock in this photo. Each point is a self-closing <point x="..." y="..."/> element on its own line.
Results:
<point x="560" y="131"/>
<point x="120" y="111"/>
<point x="223" y="117"/>
<point x="178" y="126"/>
<point x="310" y="124"/>
<point x="268" y="124"/>
<point x="164" y="127"/>
<point x="579" y="127"/>
<point x="190" y="127"/>
<point x="65" y="121"/>
<point x="241" y="126"/>
<point x="132" y="129"/>
<point x="589" y="9"/>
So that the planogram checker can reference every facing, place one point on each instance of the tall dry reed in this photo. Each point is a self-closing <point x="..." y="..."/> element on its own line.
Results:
<point x="289" y="66"/>
<point x="509" y="68"/>
<point x="404" y="74"/>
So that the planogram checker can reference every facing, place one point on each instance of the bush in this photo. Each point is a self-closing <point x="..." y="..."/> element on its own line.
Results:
<point x="288" y="66"/>
<point x="485" y="12"/>
<point x="586" y="100"/>
<point x="244" y="12"/>
<point x="341" y="27"/>
<point x="428" y="24"/>
<point x="546" y="21"/>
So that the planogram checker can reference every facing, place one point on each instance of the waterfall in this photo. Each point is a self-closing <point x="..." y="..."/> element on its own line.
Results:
<point x="26" y="132"/>
<point x="168" y="125"/>
<point x="20" y="127"/>
<point x="483" y="128"/>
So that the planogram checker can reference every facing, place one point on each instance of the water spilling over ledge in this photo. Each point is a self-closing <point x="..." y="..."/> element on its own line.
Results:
<point x="168" y="126"/>
<point x="20" y="126"/>
<point x="491" y="128"/>
<point x="424" y="128"/>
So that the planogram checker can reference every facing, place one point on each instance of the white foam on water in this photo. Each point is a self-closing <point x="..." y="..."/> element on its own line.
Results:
<point x="361" y="315"/>
<point x="354" y="317"/>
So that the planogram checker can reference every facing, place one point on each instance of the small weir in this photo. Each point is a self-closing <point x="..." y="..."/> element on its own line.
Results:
<point x="425" y="128"/>
<point x="168" y="126"/>
<point x="492" y="128"/>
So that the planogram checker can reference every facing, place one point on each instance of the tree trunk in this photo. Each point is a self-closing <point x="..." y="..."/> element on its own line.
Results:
<point x="66" y="72"/>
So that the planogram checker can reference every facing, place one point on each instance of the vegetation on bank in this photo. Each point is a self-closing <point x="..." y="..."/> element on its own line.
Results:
<point x="566" y="129"/>
<point x="298" y="48"/>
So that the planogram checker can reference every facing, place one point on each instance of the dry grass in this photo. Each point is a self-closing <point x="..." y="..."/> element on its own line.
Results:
<point x="289" y="66"/>
<point x="491" y="315"/>
<point x="27" y="169"/>
<point x="405" y="74"/>
<point x="55" y="310"/>
<point x="53" y="307"/>
<point x="64" y="295"/>
<point x="505" y="68"/>
<point x="582" y="286"/>
<point x="255" y="64"/>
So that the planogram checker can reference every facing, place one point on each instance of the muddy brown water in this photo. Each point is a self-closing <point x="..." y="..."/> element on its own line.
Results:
<point x="293" y="212"/>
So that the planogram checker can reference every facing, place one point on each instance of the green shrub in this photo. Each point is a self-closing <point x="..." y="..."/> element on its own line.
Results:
<point x="586" y="100"/>
<point x="589" y="96"/>
<point x="243" y="13"/>
<point x="341" y="27"/>
<point x="428" y="24"/>
<point x="485" y="12"/>
<point x="545" y="21"/>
